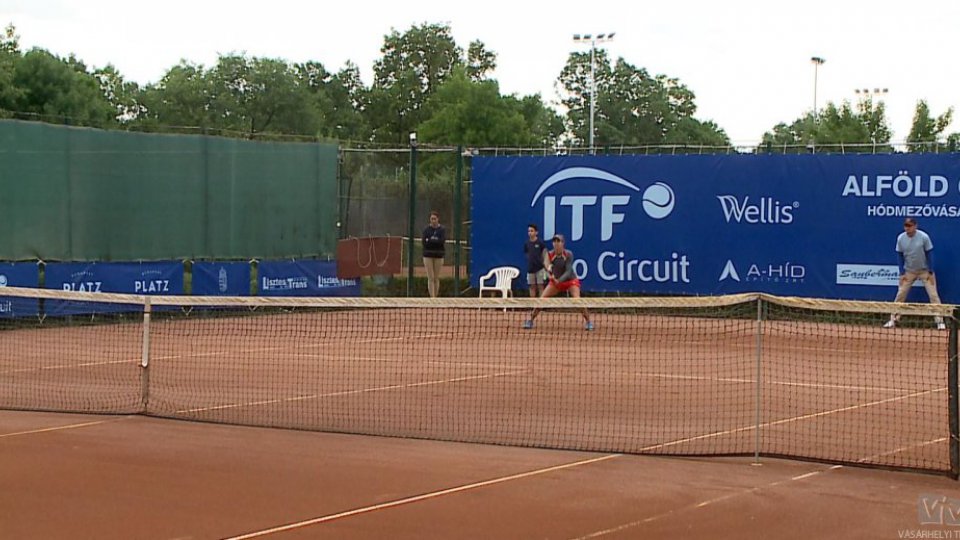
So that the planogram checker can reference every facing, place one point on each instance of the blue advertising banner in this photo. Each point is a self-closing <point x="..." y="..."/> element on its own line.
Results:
<point x="165" y="278"/>
<point x="805" y="225"/>
<point x="221" y="278"/>
<point x="19" y="275"/>
<point x="303" y="278"/>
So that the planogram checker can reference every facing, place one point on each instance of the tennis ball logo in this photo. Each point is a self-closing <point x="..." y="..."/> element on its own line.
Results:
<point x="3" y="280"/>
<point x="658" y="200"/>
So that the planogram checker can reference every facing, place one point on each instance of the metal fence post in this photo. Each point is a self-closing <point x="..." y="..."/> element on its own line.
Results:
<point x="457" y="206"/>
<point x="413" y="213"/>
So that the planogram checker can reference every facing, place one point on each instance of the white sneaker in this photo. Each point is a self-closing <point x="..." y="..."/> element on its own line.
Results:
<point x="941" y="326"/>
<point x="890" y="324"/>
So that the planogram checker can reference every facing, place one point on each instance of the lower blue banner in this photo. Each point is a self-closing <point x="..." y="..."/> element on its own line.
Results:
<point x="164" y="278"/>
<point x="303" y="278"/>
<point x="221" y="278"/>
<point x="19" y="275"/>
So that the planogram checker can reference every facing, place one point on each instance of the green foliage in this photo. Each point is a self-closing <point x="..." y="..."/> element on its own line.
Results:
<point x="51" y="86"/>
<point x="632" y="107"/>
<point x="123" y="96"/>
<point x="866" y="128"/>
<point x="926" y="132"/>
<point x="480" y="61"/>
<point x="10" y="94"/>
<point x="414" y="64"/>
<point x="475" y="114"/>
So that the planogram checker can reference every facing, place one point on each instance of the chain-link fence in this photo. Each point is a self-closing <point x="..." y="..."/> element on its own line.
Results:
<point x="375" y="188"/>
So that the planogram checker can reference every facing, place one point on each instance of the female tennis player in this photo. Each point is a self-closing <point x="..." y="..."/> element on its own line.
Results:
<point x="559" y="264"/>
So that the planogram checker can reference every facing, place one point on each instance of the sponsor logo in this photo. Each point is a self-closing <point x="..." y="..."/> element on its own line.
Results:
<point x="938" y="510"/>
<point x="870" y="274"/>
<point x="222" y="283"/>
<point x="326" y="282"/>
<point x="285" y="284"/>
<point x="151" y="286"/>
<point x="903" y="185"/>
<point x="763" y="211"/>
<point x="3" y="280"/>
<point x="83" y="282"/>
<point x="658" y="201"/>
<point x="618" y="267"/>
<point x="786" y="272"/>
<point x="6" y="307"/>
<point x="729" y="272"/>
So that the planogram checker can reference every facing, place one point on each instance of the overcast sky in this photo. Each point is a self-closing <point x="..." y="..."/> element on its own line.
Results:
<point x="747" y="61"/>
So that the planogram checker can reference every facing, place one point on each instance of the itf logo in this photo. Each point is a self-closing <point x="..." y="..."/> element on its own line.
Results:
<point x="658" y="202"/>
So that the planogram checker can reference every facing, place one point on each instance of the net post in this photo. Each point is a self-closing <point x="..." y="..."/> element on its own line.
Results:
<point x="953" y="400"/>
<point x="145" y="356"/>
<point x="759" y="380"/>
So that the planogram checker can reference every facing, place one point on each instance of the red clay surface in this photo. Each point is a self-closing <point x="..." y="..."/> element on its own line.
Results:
<point x="83" y="476"/>
<point x="639" y="384"/>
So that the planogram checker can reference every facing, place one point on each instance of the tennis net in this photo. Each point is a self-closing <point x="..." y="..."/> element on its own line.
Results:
<point x="745" y="374"/>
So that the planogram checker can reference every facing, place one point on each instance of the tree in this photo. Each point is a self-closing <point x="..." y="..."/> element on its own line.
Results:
<point x="184" y="96"/>
<point x="480" y="61"/>
<point x="123" y="96"/>
<point x="545" y="124"/>
<point x="414" y="64"/>
<point x="865" y="128"/>
<point x="632" y="107"/>
<point x="253" y="96"/>
<point x="63" y="88"/>
<point x="256" y="95"/>
<point x="340" y="99"/>
<point x="474" y="114"/>
<point x="10" y="94"/>
<point x="926" y="131"/>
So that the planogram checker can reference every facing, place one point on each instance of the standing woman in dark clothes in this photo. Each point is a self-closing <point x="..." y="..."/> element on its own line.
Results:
<point x="434" y="239"/>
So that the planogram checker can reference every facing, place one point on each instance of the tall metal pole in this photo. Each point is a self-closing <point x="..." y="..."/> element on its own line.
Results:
<point x="817" y="61"/>
<point x="457" y="220"/>
<point x="411" y="230"/>
<point x="593" y="40"/>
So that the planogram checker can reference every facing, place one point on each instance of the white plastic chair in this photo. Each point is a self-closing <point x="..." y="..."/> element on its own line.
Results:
<point x="503" y="282"/>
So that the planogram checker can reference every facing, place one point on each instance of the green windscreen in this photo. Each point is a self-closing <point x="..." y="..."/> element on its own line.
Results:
<point x="85" y="194"/>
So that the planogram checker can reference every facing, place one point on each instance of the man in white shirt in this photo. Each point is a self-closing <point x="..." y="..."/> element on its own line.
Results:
<point x="916" y="262"/>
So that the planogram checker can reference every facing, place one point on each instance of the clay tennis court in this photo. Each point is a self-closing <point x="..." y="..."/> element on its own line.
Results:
<point x="676" y="385"/>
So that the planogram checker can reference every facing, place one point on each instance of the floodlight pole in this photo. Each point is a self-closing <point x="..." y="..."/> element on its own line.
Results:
<point x="817" y="62"/>
<point x="600" y="38"/>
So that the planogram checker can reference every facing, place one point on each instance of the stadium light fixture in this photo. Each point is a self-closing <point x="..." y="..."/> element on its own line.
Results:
<point x="585" y="39"/>
<point x="817" y="62"/>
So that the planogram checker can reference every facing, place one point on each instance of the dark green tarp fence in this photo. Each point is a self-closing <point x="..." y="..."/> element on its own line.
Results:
<point x="85" y="194"/>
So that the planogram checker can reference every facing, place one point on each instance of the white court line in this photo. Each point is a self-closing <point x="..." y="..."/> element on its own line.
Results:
<point x="417" y="498"/>
<point x="209" y="354"/>
<point x="788" y="420"/>
<point x="70" y="366"/>
<point x="346" y="358"/>
<point x="721" y="498"/>
<point x="59" y="428"/>
<point x="352" y="392"/>
<point x="782" y="383"/>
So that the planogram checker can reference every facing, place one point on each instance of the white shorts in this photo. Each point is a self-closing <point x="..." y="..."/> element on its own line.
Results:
<point x="537" y="278"/>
